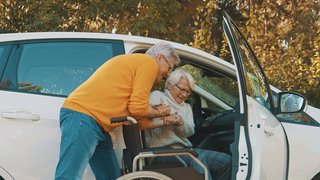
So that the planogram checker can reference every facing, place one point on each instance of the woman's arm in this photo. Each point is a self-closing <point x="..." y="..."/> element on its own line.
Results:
<point x="171" y="120"/>
<point x="187" y="129"/>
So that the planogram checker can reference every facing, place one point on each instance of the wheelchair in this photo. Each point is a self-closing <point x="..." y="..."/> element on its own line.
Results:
<point x="135" y="158"/>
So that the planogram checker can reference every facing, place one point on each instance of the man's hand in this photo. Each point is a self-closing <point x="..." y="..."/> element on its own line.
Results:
<point x="163" y="110"/>
<point x="173" y="119"/>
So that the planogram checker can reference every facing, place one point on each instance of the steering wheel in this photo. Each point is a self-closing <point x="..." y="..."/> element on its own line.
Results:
<point x="206" y="112"/>
<point x="216" y="118"/>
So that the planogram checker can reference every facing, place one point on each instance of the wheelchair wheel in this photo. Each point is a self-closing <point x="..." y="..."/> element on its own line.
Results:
<point x="144" y="175"/>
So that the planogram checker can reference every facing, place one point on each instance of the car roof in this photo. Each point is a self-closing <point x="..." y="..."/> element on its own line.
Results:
<point x="6" y="37"/>
<point x="83" y="35"/>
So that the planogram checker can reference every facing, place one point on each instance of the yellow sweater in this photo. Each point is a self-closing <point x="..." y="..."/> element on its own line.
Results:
<point x="120" y="87"/>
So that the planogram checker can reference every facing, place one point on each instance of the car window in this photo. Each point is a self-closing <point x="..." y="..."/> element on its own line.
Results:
<point x="256" y="86"/>
<point x="57" y="68"/>
<point x="4" y="51"/>
<point x="222" y="87"/>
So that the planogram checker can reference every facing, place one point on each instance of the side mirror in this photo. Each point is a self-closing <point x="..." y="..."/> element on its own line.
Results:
<point x="289" y="102"/>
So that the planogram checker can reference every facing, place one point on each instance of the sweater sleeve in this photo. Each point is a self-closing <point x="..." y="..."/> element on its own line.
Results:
<point x="187" y="129"/>
<point x="156" y="98"/>
<point x="143" y="81"/>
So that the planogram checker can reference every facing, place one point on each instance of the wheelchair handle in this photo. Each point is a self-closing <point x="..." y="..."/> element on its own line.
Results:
<point x="123" y="119"/>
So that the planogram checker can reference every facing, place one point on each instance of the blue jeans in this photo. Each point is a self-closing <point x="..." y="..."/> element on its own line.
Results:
<point x="217" y="163"/>
<point x="83" y="141"/>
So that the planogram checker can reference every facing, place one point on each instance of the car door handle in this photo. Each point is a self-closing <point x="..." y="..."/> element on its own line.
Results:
<point x="268" y="131"/>
<point x="21" y="115"/>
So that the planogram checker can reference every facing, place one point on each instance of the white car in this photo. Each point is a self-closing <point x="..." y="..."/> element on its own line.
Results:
<point x="268" y="138"/>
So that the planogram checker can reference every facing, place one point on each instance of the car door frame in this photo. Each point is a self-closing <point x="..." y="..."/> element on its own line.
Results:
<point x="244" y="144"/>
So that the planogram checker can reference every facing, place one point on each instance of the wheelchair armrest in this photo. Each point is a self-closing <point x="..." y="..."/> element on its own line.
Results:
<point x="166" y="150"/>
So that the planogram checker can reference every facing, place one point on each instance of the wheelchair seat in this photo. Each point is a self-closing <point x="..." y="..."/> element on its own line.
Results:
<point x="135" y="156"/>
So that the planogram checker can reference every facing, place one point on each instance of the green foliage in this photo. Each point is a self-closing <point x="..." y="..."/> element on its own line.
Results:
<point x="285" y="35"/>
<point x="285" y="38"/>
<point x="26" y="86"/>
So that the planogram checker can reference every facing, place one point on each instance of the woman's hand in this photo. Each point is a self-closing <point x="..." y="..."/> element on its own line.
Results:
<point x="163" y="110"/>
<point x="173" y="119"/>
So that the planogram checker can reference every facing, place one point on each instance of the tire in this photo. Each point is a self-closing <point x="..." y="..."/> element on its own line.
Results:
<point x="150" y="175"/>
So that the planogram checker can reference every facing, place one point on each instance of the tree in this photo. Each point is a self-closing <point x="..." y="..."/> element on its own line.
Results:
<point x="285" y="37"/>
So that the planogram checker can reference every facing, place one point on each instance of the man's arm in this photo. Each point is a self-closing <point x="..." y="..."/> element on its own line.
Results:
<point x="144" y="78"/>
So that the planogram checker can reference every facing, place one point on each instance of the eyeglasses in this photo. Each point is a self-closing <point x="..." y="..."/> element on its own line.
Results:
<point x="170" y="67"/>
<point x="183" y="90"/>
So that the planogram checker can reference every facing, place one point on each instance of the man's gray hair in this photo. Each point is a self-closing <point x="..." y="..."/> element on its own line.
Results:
<point x="177" y="75"/>
<point x="165" y="49"/>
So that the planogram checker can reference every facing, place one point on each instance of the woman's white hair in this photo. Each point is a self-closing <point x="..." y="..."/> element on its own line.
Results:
<point x="177" y="75"/>
<point x="165" y="49"/>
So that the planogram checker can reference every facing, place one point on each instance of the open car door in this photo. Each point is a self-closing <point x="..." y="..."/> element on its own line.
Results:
<point x="262" y="144"/>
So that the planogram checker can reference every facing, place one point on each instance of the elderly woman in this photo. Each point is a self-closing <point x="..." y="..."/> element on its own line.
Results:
<point x="174" y="130"/>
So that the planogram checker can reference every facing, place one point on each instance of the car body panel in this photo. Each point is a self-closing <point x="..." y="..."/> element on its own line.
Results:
<point x="313" y="112"/>
<point x="34" y="143"/>
<point x="268" y="143"/>
<point x="304" y="160"/>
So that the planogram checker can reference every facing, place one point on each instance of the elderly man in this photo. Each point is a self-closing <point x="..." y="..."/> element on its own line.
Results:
<point x="120" y="87"/>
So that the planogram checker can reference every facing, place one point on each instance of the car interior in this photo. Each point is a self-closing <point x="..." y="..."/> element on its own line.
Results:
<point x="214" y="105"/>
<point x="214" y="125"/>
<point x="213" y="130"/>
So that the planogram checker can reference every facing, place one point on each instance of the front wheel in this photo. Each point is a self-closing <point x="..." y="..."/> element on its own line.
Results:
<point x="150" y="175"/>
